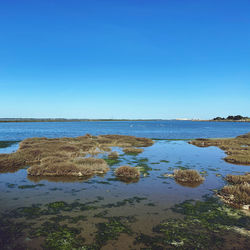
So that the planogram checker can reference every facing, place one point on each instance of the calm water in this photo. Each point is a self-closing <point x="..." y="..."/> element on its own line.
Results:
<point x="150" y="129"/>
<point x="59" y="213"/>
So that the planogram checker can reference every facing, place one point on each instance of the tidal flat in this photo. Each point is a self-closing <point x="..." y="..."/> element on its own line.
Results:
<point x="103" y="212"/>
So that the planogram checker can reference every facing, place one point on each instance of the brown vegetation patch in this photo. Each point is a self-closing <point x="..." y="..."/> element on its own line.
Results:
<point x="188" y="177"/>
<point x="132" y="150"/>
<point x="127" y="173"/>
<point x="238" y="179"/>
<point x="237" y="194"/>
<point x="78" y="167"/>
<point x="237" y="149"/>
<point x="113" y="155"/>
<point x="65" y="156"/>
<point x="124" y="141"/>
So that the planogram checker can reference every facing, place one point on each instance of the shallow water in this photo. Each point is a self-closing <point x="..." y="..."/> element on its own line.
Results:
<point x="110" y="214"/>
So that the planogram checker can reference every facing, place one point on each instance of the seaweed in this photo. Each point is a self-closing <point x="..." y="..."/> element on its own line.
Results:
<point x="130" y="201"/>
<point x="6" y="144"/>
<point x="30" y="186"/>
<point x="143" y="168"/>
<point x="10" y="232"/>
<point x="205" y="226"/>
<point x="112" y="161"/>
<point x="111" y="230"/>
<point x="58" y="237"/>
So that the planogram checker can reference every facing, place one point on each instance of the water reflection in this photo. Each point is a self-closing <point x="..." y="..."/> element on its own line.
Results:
<point x="58" y="178"/>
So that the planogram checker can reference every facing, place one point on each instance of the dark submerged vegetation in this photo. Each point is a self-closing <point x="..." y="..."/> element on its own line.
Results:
<point x="205" y="225"/>
<point x="237" y="149"/>
<point x="5" y="144"/>
<point x="49" y="224"/>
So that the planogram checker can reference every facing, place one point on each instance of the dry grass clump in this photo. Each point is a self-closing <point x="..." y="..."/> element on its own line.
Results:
<point x="188" y="176"/>
<point x="78" y="167"/>
<point x="113" y="155"/>
<point x="237" y="195"/>
<point x="238" y="179"/>
<point x="132" y="150"/>
<point x="237" y="149"/>
<point x="124" y="141"/>
<point x="127" y="172"/>
<point x="61" y="155"/>
<point x="11" y="162"/>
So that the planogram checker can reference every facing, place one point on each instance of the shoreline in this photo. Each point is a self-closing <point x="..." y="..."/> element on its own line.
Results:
<point x="220" y="120"/>
<point x="17" y="120"/>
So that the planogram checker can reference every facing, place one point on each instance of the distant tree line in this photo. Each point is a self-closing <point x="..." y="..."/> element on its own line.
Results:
<point x="231" y="117"/>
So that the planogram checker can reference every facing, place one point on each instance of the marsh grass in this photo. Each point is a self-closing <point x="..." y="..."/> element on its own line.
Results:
<point x="132" y="150"/>
<point x="127" y="173"/>
<point x="79" y="167"/>
<point x="237" y="149"/>
<point x="188" y="176"/>
<point x="238" y="193"/>
<point x="238" y="179"/>
<point x="65" y="156"/>
<point x="113" y="155"/>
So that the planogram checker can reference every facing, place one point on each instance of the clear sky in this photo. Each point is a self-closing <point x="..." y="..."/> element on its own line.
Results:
<point x="124" y="59"/>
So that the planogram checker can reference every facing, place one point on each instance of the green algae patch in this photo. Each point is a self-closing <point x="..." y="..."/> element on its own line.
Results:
<point x="164" y="161"/>
<point x="112" y="161"/>
<point x="143" y="168"/>
<point x="103" y="182"/>
<point x="6" y="144"/>
<point x="30" y="186"/>
<point x="130" y="201"/>
<point x="31" y="212"/>
<point x="205" y="225"/>
<point x="11" y="185"/>
<point x="58" y="237"/>
<point x="111" y="229"/>
<point x="182" y="167"/>
<point x="10" y="232"/>
<point x="142" y="160"/>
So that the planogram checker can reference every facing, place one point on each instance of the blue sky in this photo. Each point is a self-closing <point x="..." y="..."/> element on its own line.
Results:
<point x="124" y="59"/>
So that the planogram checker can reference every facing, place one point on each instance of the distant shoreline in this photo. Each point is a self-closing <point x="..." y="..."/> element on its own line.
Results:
<point x="7" y="120"/>
<point x="220" y="120"/>
<point x="74" y="120"/>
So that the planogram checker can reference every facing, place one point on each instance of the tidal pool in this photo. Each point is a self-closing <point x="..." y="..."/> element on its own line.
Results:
<point x="105" y="213"/>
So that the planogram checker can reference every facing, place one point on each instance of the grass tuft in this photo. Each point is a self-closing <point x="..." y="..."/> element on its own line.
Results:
<point x="132" y="150"/>
<point x="127" y="172"/>
<point x="238" y="193"/>
<point x="188" y="176"/>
